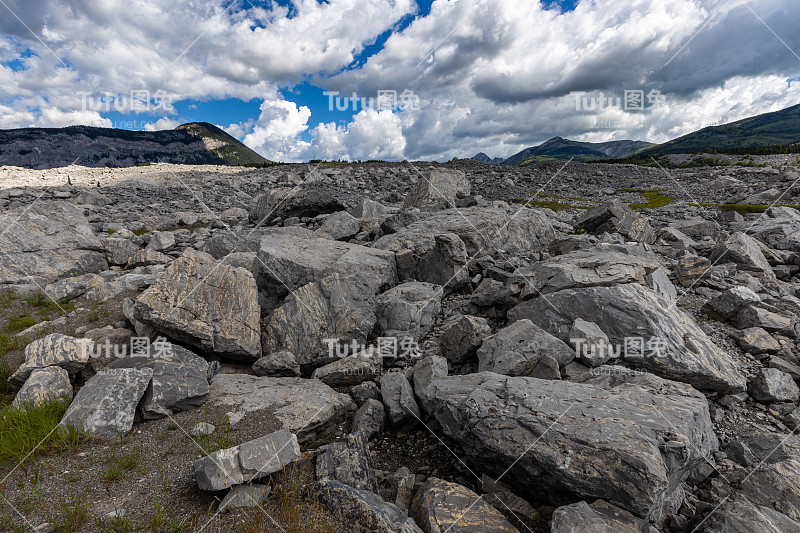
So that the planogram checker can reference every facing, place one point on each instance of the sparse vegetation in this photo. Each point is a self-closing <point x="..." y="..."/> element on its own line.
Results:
<point x="653" y="196"/>
<point x="118" y="463"/>
<point x="33" y="429"/>
<point x="74" y="513"/>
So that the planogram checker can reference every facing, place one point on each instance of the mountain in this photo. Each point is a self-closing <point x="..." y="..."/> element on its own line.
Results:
<point x="194" y="143"/>
<point x="483" y="158"/>
<point x="776" y="128"/>
<point x="559" y="148"/>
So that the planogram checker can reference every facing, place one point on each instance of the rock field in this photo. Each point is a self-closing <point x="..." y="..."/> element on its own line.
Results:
<point x="459" y="347"/>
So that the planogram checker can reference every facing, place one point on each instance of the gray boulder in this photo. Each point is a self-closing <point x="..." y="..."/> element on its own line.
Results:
<point x="293" y="202"/>
<point x="205" y="304"/>
<point x="119" y="251"/>
<point x="277" y="364"/>
<point x="179" y="383"/>
<point x="351" y="370"/>
<point x="106" y="405"/>
<point x="739" y="515"/>
<point x="69" y="353"/>
<point x="524" y="349"/>
<point x="363" y="511"/>
<point x="318" y="317"/>
<point x="162" y="241"/>
<point x="306" y="407"/>
<point x="680" y="351"/>
<point x="426" y="371"/>
<point x="370" y="419"/>
<point x="616" y="217"/>
<point x="347" y="461"/>
<point x="630" y="440"/>
<point x="591" y="345"/>
<point x="245" y="496"/>
<point x="756" y="317"/>
<point x="599" y="517"/>
<point x="772" y="385"/>
<point x="398" y="397"/>
<point x="44" y="384"/>
<point x="291" y="259"/>
<point x="147" y="257"/>
<point x="756" y="341"/>
<point x="365" y="391"/>
<point x="48" y="241"/>
<point x="461" y="336"/>
<point x="730" y="302"/>
<point x="339" y="226"/>
<point x="247" y="462"/>
<point x="437" y="189"/>
<point x="439" y="258"/>
<point x="743" y="250"/>
<point x="441" y="506"/>
<point x="408" y="310"/>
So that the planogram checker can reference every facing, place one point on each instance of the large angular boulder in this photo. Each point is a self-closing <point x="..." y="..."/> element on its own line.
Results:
<point x="439" y="257"/>
<point x="339" y="226"/>
<point x="205" y="304"/>
<point x="524" y="349"/>
<point x="106" y="405"/>
<point x="293" y="202"/>
<point x="179" y="383"/>
<point x="599" y="517"/>
<point x="347" y="461"/>
<point x="441" y="506"/>
<point x="318" y="317"/>
<point x="119" y="251"/>
<point x="249" y="461"/>
<point x="730" y="302"/>
<point x="56" y="349"/>
<point x="772" y="385"/>
<point x="601" y="266"/>
<point x="44" y="384"/>
<point x="291" y="259"/>
<point x="743" y="250"/>
<point x="408" y="310"/>
<point x="616" y="217"/>
<point x="629" y="439"/>
<point x="398" y="397"/>
<point x="668" y="342"/>
<point x="739" y="514"/>
<point x="780" y="231"/>
<point x="48" y="241"/>
<point x="306" y="407"/>
<point x="461" y="336"/>
<point x="426" y="371"/>
<point x="351" y="370"/>
<point x="363" y="511"/>
<point x="437" y="189"/>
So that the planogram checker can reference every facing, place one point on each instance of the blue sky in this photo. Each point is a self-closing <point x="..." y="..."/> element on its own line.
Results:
<point x="488" y="75"/>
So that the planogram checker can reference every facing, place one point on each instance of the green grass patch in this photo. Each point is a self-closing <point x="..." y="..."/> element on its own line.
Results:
<point x="653" y="196"/>
<point x="20" y="322"/>
<point x="221" y="437"/>
<point x="118" y="464"/>
<point x="24" y="427"/>
<point x="559" y="197"/>
<point x="743" y="209"/>
<point x="140" y="231"/>
<point x="74" y="513"/>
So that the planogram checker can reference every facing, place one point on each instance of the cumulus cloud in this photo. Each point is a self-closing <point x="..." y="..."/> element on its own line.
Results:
<point x="492" y="75"/>
<point x="164" y="123"/>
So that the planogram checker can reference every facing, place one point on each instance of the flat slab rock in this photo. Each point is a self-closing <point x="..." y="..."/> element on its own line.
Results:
<point x="205" y="304"/>
<point x="306" y="407"/>
<point x="247" y="462"/>
<point x="48" y="241"/>
<point x="106" y="405"/>
<point x="441" y="506"/>
<point x="69" y="353"/>
<point x="629" y="440"/>
<point x="625" y="311"/>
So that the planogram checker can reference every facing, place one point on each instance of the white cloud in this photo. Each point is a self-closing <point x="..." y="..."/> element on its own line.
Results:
<point x="53" y="117"/>
<point x="162" y="124"/>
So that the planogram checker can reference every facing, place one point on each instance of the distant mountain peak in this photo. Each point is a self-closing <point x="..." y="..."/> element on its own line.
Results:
<point x="192" y="143"/>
